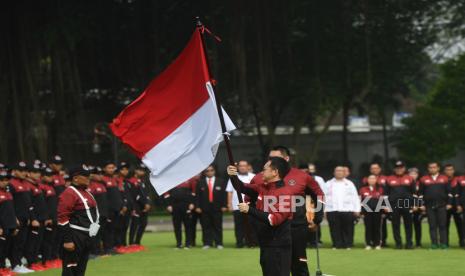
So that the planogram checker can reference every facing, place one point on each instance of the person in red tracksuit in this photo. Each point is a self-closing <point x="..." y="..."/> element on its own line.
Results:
<point x="460" y="197"/>
<point x="99" y="191"/>
<point x="371" y="194"/>
<point x="437" y="195"/>
<point x="273" y="220"/>
<point x="449" y="171"/>
<point x="56" y="164"/>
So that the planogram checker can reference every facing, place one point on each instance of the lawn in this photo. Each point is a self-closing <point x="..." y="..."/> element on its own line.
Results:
<point x="162" y="259"/>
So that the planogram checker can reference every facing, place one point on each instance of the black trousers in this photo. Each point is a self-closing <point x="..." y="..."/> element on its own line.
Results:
<point x="5" y="245"/>
<point x="239" y="228"/>
<point x="34" y="242"/>
<point x="125" y="222"/>
<point x="458" y="225"/>
<point x="137" y="229"/>
<point x="406" y="216"/>
<point x="437" y="217"/>
<point x="182" y="216"/>
<point x="275" y="261"/>
<point x="341" y="227"/>
<point x="19" y="243"/>
<point x="384" y="232"/>
<point x="212" y="227"/>
<point x="299" y="234"/>
<point x="98" y="241"/>
<point x="194" y="220"/>
<point x="48" y="243"/>
<point x="372" y="221"/>
<point x="75" y="262"/>
<point x="417" y="218"/>
<point x="112" y="230"/>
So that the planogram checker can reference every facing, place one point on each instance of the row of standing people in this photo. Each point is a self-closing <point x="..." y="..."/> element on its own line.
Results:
<point x="30" y="236"/>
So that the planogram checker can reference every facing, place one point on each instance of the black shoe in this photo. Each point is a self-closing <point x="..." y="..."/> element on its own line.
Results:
<point x="409" y="246"/>
<point x="398" y="246"/>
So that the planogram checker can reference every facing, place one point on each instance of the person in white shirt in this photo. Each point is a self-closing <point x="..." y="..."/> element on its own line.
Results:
<point x="342" y="208"/>
<point x="239" y="219"/>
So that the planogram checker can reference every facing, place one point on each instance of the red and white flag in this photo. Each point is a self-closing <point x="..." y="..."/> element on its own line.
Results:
<point x="174" y="125"/>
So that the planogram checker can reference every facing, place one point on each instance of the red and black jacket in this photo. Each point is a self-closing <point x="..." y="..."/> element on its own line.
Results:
<point x="138" y="194"/>
<point x="400" y="187"/>
<point x="435" y="193"/>
<point x="380" y="180"/>
<point x="374" y="194"/>
<point x="273" y="226"/>
<point x="7" y="211"/>
<point x="22" y="199"/>
<point x="458" y="184"/>
<point x="38" y="201"/>
<point x="51" y="200"/>
<point x="114" y="196"/>
<point x="71" y="210"/>
<point x="181" y="195"/>
<point x="98" y="190"/>
<point x="59" y="183"/>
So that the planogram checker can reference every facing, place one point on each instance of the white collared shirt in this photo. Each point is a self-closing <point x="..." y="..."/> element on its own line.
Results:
<point x="341" y="196"/>
<point x="245" y="178"/>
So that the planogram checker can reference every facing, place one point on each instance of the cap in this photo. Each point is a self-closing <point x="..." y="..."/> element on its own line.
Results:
<point x="123" y="165"/>
<point x="36" y="168"/>
<point x="4" y="175"/>
<point x="56" y="159"/>
<point x="141" y="166"/>
<point x="107" y="162"/>
<point x="48" y="172"/>
<point x="20" y="166"/>
<point x="95" y="170"/>
<point x="66" y="177"/>
<point x="399" y="164"/>
<point x="80" y="170"/>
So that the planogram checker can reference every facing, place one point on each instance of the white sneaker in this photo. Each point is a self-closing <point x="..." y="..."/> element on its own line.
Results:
<point x="368" y="247"/>
<point x="206" y="247"/>
<point x="378" y="247"/>
<point x="220" y="247"/>
<point x="21" y="269"/>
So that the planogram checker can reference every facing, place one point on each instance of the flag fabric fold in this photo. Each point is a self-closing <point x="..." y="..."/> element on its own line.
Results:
<point x="173" y="126"/>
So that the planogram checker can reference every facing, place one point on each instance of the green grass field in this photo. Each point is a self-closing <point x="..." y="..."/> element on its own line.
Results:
<point x="162" y="259"/>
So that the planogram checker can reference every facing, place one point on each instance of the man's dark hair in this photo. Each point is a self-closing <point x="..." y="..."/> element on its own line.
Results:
<point x="284" y="150"/>
<point x="375" y="163"/>
<point x="448" y="165"/>
<point x="434" y="162"/>
<point x="278" y="163"/>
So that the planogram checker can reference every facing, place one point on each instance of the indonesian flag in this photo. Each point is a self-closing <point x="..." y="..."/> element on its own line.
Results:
<point x="174" y="125"/>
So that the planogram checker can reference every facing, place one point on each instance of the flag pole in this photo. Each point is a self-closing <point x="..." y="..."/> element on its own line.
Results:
<point x="220" y="112"/>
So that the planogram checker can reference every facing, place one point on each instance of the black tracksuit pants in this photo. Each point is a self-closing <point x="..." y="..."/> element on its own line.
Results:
<point x="458" y="225"/>
<point x="138" y="225"/>
<point x="182" y="216"/>
<point x="212" y="227"/>
<point x="194" y="220"/>
<point x="6" y="243"/>
<point x="406" y="216"/>
<point x="275" y="261"/>
<point x="299" y="235"/>
<point x="49" y="243"/>
<point x="19" y="243"/>
<point x="34" y="242"/>
<point x="437" y="217"/>
<point x="372" y="221"/>
<point x="417" y="218"/>
<point x="341" y="227"/>
<point x="75" y="262"/>
<point x="125" y="221"/>
<point x="239" y="225"/>
<point x="112" y="229"/>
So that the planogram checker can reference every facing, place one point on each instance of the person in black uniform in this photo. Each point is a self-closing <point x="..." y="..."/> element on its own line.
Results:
<point x="180" y="203"/>
<point x="418" y="214"/>
<point x="141" y="206"/>
<point x="449" y="171"/>
<point x="8" y="224"/>
<point x="98" y="190"/>
<point x="116" y="208"/>
<point x="436" y="193"/>
<point x="25" y="214"/>
<point x="36" y="230"/>
<point x="49" y="256"/>
<point x="78" y="218"/>
<point x="400" y="189"/>
<point x="211" y="203"/>
<point x="124" y="186"/>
